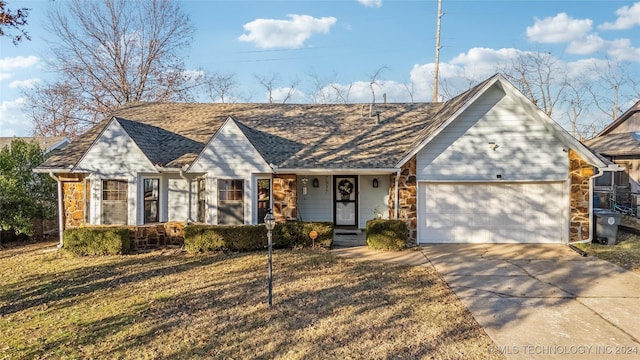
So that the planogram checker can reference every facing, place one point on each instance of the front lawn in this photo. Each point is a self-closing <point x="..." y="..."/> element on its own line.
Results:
<point x="625" y="253"/>
<point x="169" y="305"/>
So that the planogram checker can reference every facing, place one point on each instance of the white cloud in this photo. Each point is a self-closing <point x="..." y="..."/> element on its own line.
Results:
<point x="628" y="17"/>
<point x="4" y="76"/>
<point x="18" y="62"/>
<point x="371" y="3"/>
<point x="292" y="33"/>
<point x="20" y="84"/>
<point x="480" y="63"/>
<point x="11" y="119"/>
<point x="620" y="49"/>
<point x="560" y="28"/>
<point x="279" y="94"/>
<point x="587" y="45"/>
<point x="584" y="69"/>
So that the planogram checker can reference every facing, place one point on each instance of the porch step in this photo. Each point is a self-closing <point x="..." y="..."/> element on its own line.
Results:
<point x="349" y="238"/>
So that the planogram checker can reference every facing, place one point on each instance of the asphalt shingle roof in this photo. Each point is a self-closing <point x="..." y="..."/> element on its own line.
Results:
<point x="615" y="144"/>
<point x="297" y="136"/>
<point x="45" y="142"/>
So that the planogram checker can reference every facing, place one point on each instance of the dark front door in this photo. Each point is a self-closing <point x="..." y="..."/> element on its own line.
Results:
<point x="345" y="193"/>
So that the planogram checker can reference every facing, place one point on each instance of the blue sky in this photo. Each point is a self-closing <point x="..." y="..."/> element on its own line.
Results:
<point x="344" y="42"/>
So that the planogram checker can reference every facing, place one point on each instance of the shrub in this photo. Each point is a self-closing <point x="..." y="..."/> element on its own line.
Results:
<point x="387" y="234"/>
<point x="294" y="234"/>
<point x="201" y="238"/>
<point x="97" y="241"/>
<point x="198" y="238"/>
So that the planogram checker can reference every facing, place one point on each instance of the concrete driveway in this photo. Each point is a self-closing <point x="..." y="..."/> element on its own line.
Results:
<point x="545" y="301"/>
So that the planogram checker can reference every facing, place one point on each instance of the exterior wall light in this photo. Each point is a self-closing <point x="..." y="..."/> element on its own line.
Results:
<point x="316" y="182"/>
<point x="375" y="183"/>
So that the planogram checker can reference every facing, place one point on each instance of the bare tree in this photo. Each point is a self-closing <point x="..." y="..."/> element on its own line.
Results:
<point x="615" y="84"/>
<point x="342" y="92"/>
<point x="220" y="86"/>
<point x="410" y="86"/>
<point x="115" y="52"/>
<point x="269" y="82"/>
<point x="10" y="20"/>
<point x="577" y="104"/>
<point x="320" y="93"/>
<point x="373" y="80"/>
<point x="540" y="77"/>
<point x="291" y="90"/>
<point x="57" y="109"/>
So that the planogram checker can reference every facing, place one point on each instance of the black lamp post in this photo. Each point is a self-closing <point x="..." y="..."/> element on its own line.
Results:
<point x="270" y="223"/>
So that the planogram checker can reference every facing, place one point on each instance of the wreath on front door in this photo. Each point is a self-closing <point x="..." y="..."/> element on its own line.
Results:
<point x="345" y="187"/>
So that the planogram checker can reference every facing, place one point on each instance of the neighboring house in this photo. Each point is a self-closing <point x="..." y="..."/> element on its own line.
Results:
<point x="619" y="142"/>
<point x="485" y="166"/>
<point x="47" y="144"/>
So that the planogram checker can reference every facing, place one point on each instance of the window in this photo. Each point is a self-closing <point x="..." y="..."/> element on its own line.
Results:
<point x="151" y="196"/>
<point x="619" y="178"/>
<point x="230" y="202"/>
<point x="114" y="202"/>
<point x="264" y="189"/>
<point x="202" y="199"/>
<point x="604" y="179"/>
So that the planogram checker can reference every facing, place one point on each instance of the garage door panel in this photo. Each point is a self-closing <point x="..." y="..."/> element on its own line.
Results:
<point x="491" y="213"/>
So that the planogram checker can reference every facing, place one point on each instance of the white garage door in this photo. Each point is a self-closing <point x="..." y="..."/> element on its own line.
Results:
<point x="491" y="213"/>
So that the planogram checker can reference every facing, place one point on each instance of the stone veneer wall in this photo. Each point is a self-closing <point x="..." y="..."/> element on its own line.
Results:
<point x="74" y="191"/>
<point x="153" y="236"/>
<point x="284" y="197"/>
<point x="579" y="173"/>
<point x="407" y="199"/>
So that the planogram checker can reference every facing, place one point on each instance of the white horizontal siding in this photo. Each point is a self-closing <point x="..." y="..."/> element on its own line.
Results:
<point x="229" y="155"/>
<point x="373" y="201"/>
<point x="178" y="200"/>
<point x="527" y="147"/>
<point x="114" y="154"/>
<point x="317" y="205"/>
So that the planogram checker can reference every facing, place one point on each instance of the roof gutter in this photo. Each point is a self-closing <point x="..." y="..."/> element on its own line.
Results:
<point x="338" y="171"/>
<point x="175" y="170"/>
<point x="52" y="170"/>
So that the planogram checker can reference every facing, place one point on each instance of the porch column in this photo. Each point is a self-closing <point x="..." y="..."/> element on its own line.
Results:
<point x="284" y="197"/>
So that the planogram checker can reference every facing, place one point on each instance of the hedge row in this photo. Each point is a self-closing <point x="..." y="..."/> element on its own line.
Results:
<point x="387" y="234"/>
<point x="202" y="238"/>
<point x="97" y="241"/>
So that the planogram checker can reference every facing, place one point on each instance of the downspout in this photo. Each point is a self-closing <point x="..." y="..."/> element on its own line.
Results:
<point x="60" y="209"/>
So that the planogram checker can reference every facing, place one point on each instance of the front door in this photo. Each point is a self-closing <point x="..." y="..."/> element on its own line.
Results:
<point x="345" y="207"/>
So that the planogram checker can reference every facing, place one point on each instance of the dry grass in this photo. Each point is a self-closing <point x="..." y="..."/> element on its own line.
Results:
<point x="626" y="252"/>
<point x="168" y="305"/>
